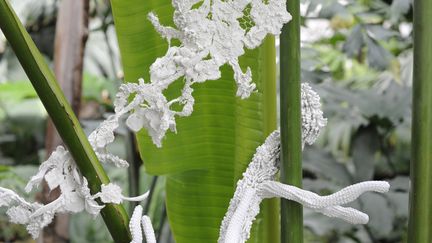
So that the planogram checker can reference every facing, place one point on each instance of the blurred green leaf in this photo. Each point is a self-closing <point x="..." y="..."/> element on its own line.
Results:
<point x="390" y="103"/>
<point x="98" y="88"/>
<point x="324" y="165"/>
<point x="354" y="42"/>
<point x="16" y="91"/>
<point x="378" y="32"/>
<point x="399" y="8"/>
<point x="365" y="145"/>
<point x="377" y="56"/>
<point x="381" y="224"/>
<point x="370" y="18"/>
<point x="85" y="229"/>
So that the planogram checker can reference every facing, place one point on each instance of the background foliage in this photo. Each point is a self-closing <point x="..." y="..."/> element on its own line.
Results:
<point x="357" y="54"/>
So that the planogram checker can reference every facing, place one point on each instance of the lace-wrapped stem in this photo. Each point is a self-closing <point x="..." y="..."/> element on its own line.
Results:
<point x="239" y="218"/>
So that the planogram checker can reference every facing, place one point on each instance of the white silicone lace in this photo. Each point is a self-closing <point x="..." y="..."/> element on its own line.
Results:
<point x="212" y="33"/>
<point x="258" y="182"/>
<point x="140" y="224"/>
<point x="59" y="171"/>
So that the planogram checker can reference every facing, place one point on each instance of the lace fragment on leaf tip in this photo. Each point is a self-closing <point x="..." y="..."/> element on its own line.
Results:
<point x="211" y="36"/>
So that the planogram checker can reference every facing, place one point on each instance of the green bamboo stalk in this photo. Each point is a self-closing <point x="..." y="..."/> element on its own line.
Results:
<point x="420" y="221"/>
<point x="290" y="113"/>
<point x="62" y="116"/>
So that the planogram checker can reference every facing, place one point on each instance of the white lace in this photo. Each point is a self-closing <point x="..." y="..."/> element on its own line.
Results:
<point x="59" y="171"/>
<point x="258" y="182"/>
<point x="312" y="116"/>
<point x="140" y="224"/>
<point x="211" y="34"/>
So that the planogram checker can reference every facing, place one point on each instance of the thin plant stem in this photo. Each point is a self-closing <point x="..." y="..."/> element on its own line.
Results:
<point x="133" y="170"/>
<point x="150" y="196"/>
<point x="162" y="222"/>
<point x="420" y="220"/>
<point x="290" y="123"/>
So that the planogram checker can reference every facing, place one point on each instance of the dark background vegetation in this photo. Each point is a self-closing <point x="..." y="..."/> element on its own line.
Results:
<point x="356" y="53"/>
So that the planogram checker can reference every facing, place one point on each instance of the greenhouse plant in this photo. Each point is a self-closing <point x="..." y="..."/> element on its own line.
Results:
<point x="161" y="118"/>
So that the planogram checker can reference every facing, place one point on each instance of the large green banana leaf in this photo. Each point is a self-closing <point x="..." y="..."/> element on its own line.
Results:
<point x="212" y="148"/>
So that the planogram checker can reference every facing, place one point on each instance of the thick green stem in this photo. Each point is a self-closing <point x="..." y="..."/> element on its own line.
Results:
<point x="420" y="221"/>
<point x="62" y="116"/>
<point x="290" y="112"/>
